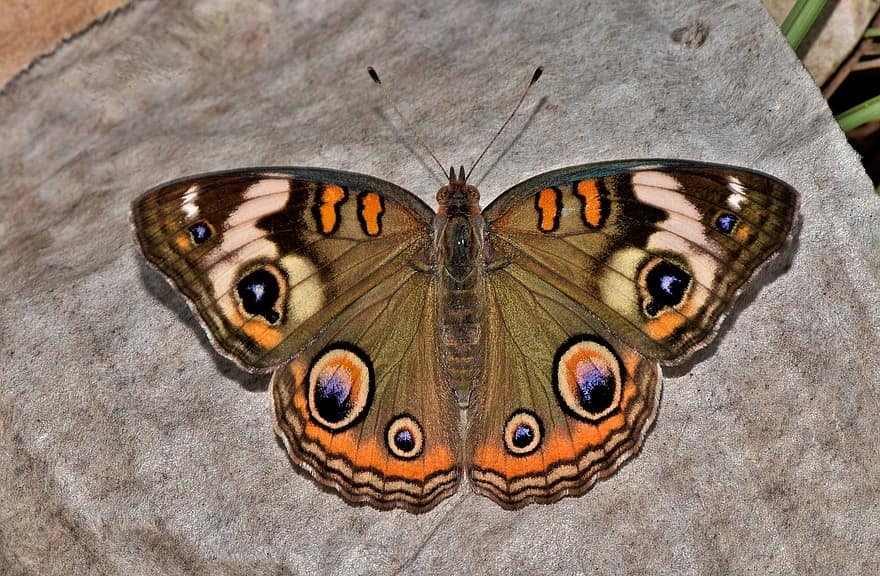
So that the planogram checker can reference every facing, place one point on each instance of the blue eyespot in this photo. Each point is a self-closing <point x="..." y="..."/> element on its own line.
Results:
<point x="522" y="433"/>
<point x="200" y="232"/>
<point x="726" y="223"/>
<point x="523" y="436"/>
<point x="332" y="396"/>
<point x="259" y="293"/>
<point x="404" y="441"/>
<point x="666" y="284"/>
<point x="588" y="378"/>
<point x="669" y="283"/>
<point x="404" y="437"/>
<point x="340" y="386"/>
<point x="596" y="389"/>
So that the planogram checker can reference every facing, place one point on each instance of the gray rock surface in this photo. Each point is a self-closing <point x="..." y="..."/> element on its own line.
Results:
<point x="128" y="446"/>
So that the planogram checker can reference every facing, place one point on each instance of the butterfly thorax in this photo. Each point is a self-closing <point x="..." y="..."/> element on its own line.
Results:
<point x="458" y="198"/>
<point x="460" y="231"/>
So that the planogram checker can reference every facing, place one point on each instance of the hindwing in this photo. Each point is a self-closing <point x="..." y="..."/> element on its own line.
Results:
<point x="562" y="403"/>
<point x="366" y="408"/>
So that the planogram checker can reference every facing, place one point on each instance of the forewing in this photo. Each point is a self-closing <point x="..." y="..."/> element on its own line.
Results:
<point x="266" y="257"/>
<point x="657" y="250"/>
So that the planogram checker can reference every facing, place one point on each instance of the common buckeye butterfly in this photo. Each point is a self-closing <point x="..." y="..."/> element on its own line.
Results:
<point x="546" y="315"/>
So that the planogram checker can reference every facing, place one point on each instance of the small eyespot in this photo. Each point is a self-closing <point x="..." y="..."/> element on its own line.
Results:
<point x="200" y="232"/>
<point x="726" y="223"/>
<point x="404" y="437"/>
<point x="523" y="433"/>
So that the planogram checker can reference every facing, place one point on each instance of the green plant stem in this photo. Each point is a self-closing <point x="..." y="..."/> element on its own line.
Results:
<point x="867" y="111"/>
<point x="871" y="33"/>
<point x="800" y="19"/>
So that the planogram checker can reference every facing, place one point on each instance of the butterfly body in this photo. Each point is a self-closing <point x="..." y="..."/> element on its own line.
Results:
<point x="548" y="314"/>
<point x="461" y="252"/>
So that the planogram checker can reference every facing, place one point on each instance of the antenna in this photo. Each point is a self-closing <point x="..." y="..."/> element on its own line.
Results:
<point x="415" y="132"/>
<point x="538" y="71"/>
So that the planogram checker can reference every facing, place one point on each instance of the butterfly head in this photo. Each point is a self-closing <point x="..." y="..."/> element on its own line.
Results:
<point x="458" y="198"/>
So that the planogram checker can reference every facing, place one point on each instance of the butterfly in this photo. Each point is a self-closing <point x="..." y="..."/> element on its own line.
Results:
<point x="544" y="318"/>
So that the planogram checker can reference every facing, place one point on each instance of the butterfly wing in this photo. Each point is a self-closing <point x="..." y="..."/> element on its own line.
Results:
<point x="596" y="273"/>
<point x="323" y="274"/>
<point x="266" y="257"/>
<point x="365" y="408"/>
<point x="562" y="403"/>
<point x="657" y="250"/>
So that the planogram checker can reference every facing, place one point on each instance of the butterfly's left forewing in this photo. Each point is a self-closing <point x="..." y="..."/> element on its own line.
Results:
<point x="267" y="257"/>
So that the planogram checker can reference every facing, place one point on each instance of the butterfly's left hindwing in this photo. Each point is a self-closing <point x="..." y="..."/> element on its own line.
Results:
<point x="366" y="409"/>
<point x="656" y="250"/>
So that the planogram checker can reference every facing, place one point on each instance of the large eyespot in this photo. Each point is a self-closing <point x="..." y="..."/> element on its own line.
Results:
<point x="259" y="292"/>
<point x="523" y="433"/>
<point x="664" y="284"/>
<point x="587" y="378"/>
<point x="340" y="386"/>
<point x="405" y="437"/>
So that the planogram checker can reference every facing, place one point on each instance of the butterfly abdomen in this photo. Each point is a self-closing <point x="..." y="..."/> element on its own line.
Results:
<point x="461" y="298"/>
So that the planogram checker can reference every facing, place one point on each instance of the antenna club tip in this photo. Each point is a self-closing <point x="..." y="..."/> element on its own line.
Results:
<point x="373" y="75"/>
<point x="538" y="71"/>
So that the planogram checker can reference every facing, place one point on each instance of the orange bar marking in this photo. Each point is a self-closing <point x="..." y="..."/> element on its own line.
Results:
<point x="548" y="207"/>
<point x="589" y="192"/>
<point x="370" y="209"/>
<point x="330" y="197"/>
<point x="258" y="331"/>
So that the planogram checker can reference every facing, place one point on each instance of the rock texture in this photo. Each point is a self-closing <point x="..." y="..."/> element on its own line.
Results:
<point x="128" y="446"/>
